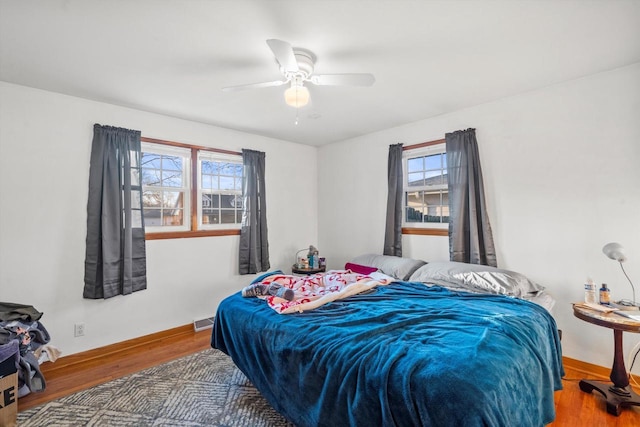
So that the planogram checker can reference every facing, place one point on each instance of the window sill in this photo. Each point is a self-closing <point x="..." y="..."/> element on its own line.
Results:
<point x="426" y="231"/>
<point x="190" y="234"/>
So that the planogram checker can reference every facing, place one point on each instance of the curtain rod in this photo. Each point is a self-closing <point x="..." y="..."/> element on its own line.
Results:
<point x="423" y="144"/>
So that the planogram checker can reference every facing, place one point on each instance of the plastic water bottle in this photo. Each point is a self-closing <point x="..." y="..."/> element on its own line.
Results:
<point x="590" y="292"/>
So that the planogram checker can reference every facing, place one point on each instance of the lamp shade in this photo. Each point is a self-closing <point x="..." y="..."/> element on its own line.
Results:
<point x="296" y="96"/>
<point x="614" y="251"/>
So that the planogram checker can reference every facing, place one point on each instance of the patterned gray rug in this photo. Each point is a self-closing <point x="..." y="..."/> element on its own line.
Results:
<point x="203" y="389"/>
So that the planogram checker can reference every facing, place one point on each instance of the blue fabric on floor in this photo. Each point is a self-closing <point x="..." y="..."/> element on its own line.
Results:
<point x="401" y="355"/>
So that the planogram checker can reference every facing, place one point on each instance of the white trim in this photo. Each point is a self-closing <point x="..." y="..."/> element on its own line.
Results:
<point x="185" y="155"/>
<point x="410" y="154"/>
<point x="169" y="150"/>
<point x="216" y="157"/>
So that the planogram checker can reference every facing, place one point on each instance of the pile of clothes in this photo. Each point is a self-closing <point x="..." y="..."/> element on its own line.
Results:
<point x="21" y="324"/>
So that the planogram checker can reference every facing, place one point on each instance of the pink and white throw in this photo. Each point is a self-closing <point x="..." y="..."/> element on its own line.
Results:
<point x="317" y="289"/>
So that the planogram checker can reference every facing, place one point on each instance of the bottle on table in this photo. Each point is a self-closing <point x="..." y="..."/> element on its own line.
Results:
<point x="590" y="292"/>
<point x="605" y="296"/>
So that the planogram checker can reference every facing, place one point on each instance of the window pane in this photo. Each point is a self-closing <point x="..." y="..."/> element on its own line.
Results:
<point x="237" y="202"/>
<point x="152" y="217"/>
<point x="206" y="201"/>
<point x="172" y="217"/>
<point x="415" y="164"/>
<point x="414" y="206"/>
<point x="228" y="216"/>
<point x="208" y="167"/>
<point x="228" y="169"/>
<point x="215" y="200"/>
<point x="238" y="217"/>
<point x="433" y="162"/>
<point x="238" y="184"/>
<point x="210" y="216"/>
<point x="207" y="182"/>
<point x="135" y="176"/>
<point x="238" y="170"/>
<point x="433" y="178"/>
<point x="172" y="179"/>
<point x="413" y="215"/>
<point x="172" y="163"/>
<point x="150" y="177"/>
<point x="135" y="199"/>
<point x="136" y="218"/>
<point x="150" y="160"/>
<point x="151" y="199"/>
<point x="444" y="160"/>
<point x="172" y="199"/>
<point x="133" y="159"/>
<point x="416" y="179"/>
<point x="445" y="178"/>
<point x="226" y="183"/>
<point x="432" y="198"/>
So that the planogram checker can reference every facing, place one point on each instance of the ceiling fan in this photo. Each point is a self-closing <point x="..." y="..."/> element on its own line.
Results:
<point x="296" y="65"/>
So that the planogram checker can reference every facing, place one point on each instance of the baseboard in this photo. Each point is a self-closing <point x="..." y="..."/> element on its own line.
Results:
<point x="113" y="350"/>
<point x="591" y="370"/>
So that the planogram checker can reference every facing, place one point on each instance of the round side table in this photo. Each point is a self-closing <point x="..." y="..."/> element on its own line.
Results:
<point x="619" y="393"/>
<point x="307" y="271"/>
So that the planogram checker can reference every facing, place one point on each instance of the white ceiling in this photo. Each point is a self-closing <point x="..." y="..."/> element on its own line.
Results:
<point x="429" y="57"/>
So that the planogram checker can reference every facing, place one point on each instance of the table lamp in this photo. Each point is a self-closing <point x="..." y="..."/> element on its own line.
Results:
<point x="615" y="251"/>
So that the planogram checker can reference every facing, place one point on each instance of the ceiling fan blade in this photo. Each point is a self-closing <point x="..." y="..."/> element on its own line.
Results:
<point x="343" y="79"/>
<point x="254" y="86"/>
<point x="284" y="55"/>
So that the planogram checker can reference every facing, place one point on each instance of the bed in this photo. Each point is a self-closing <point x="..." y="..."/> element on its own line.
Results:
<point x="443" y="344"/>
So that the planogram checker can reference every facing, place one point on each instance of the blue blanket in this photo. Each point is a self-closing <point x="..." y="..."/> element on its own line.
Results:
<point x="401" y="355"/>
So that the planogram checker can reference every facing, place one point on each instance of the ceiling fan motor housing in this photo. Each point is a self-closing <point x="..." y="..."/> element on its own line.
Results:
<point x="305" y="62"/>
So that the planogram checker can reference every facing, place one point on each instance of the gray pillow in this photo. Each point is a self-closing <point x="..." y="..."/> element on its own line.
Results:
<point x="398" y="267"/>
<point x="481" y="277"/>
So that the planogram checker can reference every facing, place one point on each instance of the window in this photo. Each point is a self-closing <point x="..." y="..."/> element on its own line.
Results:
<point x="219" y="190"/>
<point x="190" y="191"/>
<point x="165" y="187"/>
<point x="426" y="196"/>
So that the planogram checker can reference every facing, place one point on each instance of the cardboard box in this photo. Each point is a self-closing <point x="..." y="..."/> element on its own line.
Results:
<point x="8" y="393"/>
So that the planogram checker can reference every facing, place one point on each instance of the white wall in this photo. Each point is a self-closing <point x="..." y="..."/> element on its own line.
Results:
<point x="562" y="176"/>
<point x="45" y="144"/>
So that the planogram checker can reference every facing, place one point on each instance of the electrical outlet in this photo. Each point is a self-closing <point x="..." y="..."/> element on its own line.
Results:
<point x="78" y="330"/>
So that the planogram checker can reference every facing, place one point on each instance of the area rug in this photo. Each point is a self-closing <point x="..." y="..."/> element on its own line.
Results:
<point x="202" y="389"/>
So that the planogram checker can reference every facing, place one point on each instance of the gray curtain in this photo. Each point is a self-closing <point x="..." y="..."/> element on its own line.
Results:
<point x="115" y="261"/>
<point x="393" y="229"/>
<point x="254" y="246"/>
<point x="470" y="237"/>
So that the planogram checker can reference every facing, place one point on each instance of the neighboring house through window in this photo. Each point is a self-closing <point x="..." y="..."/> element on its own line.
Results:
<point x="426" y="196"/>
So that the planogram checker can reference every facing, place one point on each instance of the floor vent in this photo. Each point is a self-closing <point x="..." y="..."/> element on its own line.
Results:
<point x="201" y="325"/>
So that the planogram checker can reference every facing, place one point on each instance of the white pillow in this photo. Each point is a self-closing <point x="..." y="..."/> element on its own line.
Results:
<point x="482" y="277"/>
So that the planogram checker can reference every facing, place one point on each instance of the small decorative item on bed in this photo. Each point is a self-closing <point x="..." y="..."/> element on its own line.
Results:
<point x="408" y="343"/>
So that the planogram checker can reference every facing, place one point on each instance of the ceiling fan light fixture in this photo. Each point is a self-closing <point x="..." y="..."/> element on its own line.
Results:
<point x="296" y="96"/>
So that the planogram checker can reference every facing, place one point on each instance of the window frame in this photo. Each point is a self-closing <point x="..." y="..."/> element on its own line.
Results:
<point x="185" y="155"/>
<point x="216" y="157"/>
<point x="193" y="229"/>
<point x="421" y="228"/>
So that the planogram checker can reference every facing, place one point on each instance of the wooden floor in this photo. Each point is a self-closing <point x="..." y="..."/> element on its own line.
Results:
<point x="574" y="408"/>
